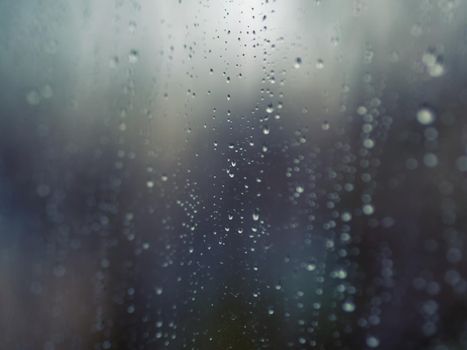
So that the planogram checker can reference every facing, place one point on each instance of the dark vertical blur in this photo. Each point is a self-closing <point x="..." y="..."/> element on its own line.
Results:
<point x="251" y="174"/>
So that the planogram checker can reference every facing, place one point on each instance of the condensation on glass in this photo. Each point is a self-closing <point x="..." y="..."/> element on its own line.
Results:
<point x="260" y="174"/>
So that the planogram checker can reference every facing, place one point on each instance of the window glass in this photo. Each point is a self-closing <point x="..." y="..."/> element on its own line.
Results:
<point x="233" y="174"/>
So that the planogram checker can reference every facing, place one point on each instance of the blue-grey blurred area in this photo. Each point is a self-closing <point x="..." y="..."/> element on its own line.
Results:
<point x="233" y="174"/>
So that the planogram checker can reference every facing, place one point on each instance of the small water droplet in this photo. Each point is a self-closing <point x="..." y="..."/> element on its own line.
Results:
<point x="433" y="64"/>
<point x="430" y="160"/>
<point x="59" y="271"/>
<point x="133" y="57"/>
<point x="47" y="91"/>
<point x="325" y="125"/>
<point x="368" y="209"/>
<point x="425" y="116"/>
<point x="132" y="26"/>
<point x="298" y="62"/>
<point x="346" y="216"/>
<point x="113" y="62"/>
<point x="320" y="64"/>
<point x="33" y="98"/>
<point x="348" y="306"/>
<point x="372" y="342"/>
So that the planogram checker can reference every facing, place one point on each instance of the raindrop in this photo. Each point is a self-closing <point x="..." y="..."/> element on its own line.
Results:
<point x="346" y="216"/>
<point x="368" y="209"/>
<point x="325" y="125"/>
<point x="47" y="91"/>
<point x="43" y="190"/>
<point x="348" y="306"/>
<point x="433" y="64"/>
<point x="298" y="62"/>
<point x="372" y="342"/>
<point x="59" y="271"/>
<point x="425" y="116"/>
<point x="133" y="57"/>
<point x="320" y="64"/>
<point x="33" y="98"/>
<point x="430" y="160"/>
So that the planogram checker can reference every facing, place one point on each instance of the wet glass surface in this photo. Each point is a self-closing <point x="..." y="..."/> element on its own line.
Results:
<point x="233" y="174"/>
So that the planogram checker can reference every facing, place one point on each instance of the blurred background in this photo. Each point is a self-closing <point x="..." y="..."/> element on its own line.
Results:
<point x="233" y="174"/>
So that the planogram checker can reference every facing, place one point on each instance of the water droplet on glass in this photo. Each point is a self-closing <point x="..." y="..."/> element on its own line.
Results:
<point x="33" y="97"/>
<point x="346" y="216"/>
<point x="425" y="116"/>
<point x="132" y="27"/>
<point x="368" y="209"/>
<point x="325" y="125"/>
<point x="372" y="342"/>
<point x="133" y="57"/>
<point x="298" y="62"/>
<point x="320" y="64"/>
<point x="348" y="306"/>
<point x="430" y="160"/>
<point x="47" y="91"/>
<point x="59" y="271"/>
<point x="433" y="64"/>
